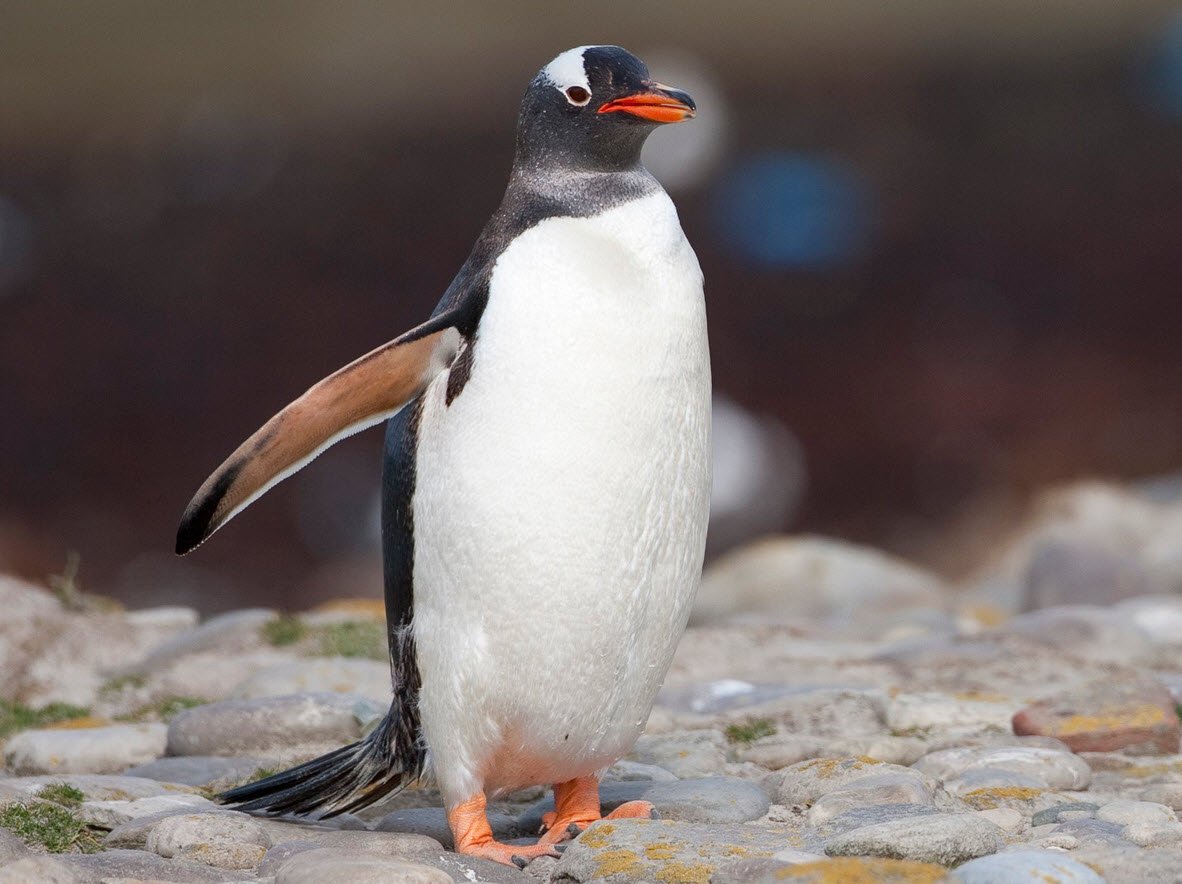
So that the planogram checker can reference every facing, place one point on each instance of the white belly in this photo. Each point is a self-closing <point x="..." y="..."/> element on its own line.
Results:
<point x="561" y="503"/>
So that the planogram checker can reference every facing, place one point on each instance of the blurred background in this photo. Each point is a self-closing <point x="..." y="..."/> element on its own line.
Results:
<point x="941" y="243"/>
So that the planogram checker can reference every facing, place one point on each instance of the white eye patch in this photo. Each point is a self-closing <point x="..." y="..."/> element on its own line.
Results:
<point x="567" y="70"/>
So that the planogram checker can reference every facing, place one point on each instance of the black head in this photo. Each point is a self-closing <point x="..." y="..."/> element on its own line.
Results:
<point x="591" y="108"/>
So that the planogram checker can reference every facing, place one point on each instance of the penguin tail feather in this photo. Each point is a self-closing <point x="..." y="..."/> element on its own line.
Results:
<point x="344" y="780"/>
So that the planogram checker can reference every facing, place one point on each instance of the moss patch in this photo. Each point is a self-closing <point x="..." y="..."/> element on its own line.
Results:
<point x="286" y="629"/>
<point x="63" y="794"/>
<point x="50" y="826"/>
<point x="354" y="638"/>
<point x="750" y="731"/>
<point x="18" y="717"/>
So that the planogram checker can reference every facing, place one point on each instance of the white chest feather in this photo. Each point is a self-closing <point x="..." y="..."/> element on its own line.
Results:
<point x="561" y="501"/>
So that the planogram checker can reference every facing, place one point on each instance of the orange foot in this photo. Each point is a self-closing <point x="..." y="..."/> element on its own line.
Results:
<point x="576" y="806"/>
<point x="473" y="836"/>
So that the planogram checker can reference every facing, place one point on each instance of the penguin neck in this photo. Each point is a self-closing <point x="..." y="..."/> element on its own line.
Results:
<point x="549" y="190"/>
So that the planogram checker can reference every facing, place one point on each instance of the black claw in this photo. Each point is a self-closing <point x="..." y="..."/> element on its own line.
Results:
<point x="520" y="861"/>
<point x="653" y="815"/>
<point x="573" y="830"/>
<point x="560" y="848"/>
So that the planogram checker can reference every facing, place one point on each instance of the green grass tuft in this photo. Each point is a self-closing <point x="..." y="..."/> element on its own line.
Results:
<point x="50" y="826"/>
<point x="63" y="794"/>
<point x="115" y="686"/>
<point x="261" y="774"/>
<point x="355" y="638"/>
<point x="286" y="629"/>
<point x="750" y="731"/>
<point x="18" y="717"/>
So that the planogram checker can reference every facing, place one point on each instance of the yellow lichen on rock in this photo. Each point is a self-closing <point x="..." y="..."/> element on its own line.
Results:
<point x="617" y="862"/>
<point x="685" y="873"/>
<point x="861" y="870"/>
<point x="1145" y="716"/>
<point x="996" y="796"/>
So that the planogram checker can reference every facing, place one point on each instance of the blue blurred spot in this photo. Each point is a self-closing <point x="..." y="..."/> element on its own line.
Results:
<point x="793" y="210"/>
<point x="1163" y="74"/>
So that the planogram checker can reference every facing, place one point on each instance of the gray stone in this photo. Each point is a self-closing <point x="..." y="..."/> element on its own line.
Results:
<point x="1006" y="818"/>
<point x="661" y="850"/>
<point x="1090" y="832"/>
<point x="1026" y="865"/>
<point x="98" y="787"/>
<point x="138" y="865"/>
<point x="783" y="750"/>
<point x="807" y="781"/>
<point x="84" y="750"/>
<point x="39" y="870"/>
<point x="889" y="788"/>
<point x="1067" y="628"/>
<point x="333" y="864"/>
<point x="1059" y="770"/>
<point x="835" y="583"/>
<point x="831" y="712"/>
<point x="109" y="814"/>
<point x="277" y="856"/>
<point x="12" y="848"/>
<point x="861" y="817"/>
<point x="432" y="822"/>
<point x="1076" y="570"/>
<point x="1132" y="865"/>
<point x="232" y="631"/>
<point x="206" y="771"/>
<point x="683" y="753"/>
<point x="1123" y="812"/>
<point x="945" y="838"/>
<point x="628" y="771"/>
<point x="1169" y="794"/>
<point x="931" y="710"/>
<point x="720" y="695"/>
<point x="133" y="834"/>
<point x="295" y="725"/>
<point x="228" y="841"/>
<point x="707" y="800"/>
<point x="1052" y="814"/>
<point x="825" y="870"/>
<point x="1147" y="834"/>
<point x="369" y="678"/>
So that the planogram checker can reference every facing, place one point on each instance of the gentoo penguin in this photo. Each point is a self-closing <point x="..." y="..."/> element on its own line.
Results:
<point x="546" y="477"/>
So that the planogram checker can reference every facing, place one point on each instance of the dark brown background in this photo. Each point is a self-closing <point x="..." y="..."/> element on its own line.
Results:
<point x="206" y="207"/>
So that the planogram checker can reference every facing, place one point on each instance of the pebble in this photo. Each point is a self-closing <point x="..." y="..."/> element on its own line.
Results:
<point x="109" y="814"/>
<point x="706" y="800"/>
<point x="683" y="753"/>
<point x="347" y="675"/>
<point x="85" y="750"/>
<point x="208" y="771"/>
<point x="806" y="577"/>
<point x="227" y="841"/>
<point x="1134" y="715"/>
<point x="1123" y="812"/>
<point x="432" y="823"/>
<point x="1169" y="794"/>
<point x="945" y="838"/>
<point x="833" y="713"/>
<point x="807" y="781"/>
<point x="332" y="864"/>
<point x="888" y="788"/>
<point x="286" y="727"/>
<point x="861" y="817"/>
<point x="12" y="848"/>
<point x="1026" y="865"/>
<point x="95" y="787"/>
<point x="229" y="632"/>
<point x="927" y="711"/>
<point x="1146" y="834"/>
<point x="871" y="870"/>
<point x="1005" y="818"/>
<point x="1058" y="770"/>
<point x="1070" y="810"/>
<point x="39" y="870"/>
<point x="113" y="866"/>
<point x="661" y="850"/>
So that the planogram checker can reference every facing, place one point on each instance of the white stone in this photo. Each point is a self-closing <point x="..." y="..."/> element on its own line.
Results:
<point x="339" y="674"/>
<point x="935" y="711"/>
<point x="109" y="814"/>
<point x="85" y="750"/>
<point x="1059" y="770"/>
<point x="1123" y="812"/>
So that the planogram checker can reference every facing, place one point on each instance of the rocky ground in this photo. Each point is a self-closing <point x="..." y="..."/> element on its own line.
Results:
<point x="832" y="715"/>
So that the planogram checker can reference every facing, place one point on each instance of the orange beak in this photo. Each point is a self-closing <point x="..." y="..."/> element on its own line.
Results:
<point x="661" y="105"/>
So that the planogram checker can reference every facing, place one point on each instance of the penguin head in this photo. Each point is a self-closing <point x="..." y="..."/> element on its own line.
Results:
<point x="592" y="108"/>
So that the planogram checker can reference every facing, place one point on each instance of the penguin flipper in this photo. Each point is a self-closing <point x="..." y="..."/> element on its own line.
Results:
<point x="365" y="392"/>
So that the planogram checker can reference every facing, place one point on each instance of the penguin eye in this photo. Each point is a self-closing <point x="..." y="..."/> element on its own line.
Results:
<point x="577" y="95"/>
